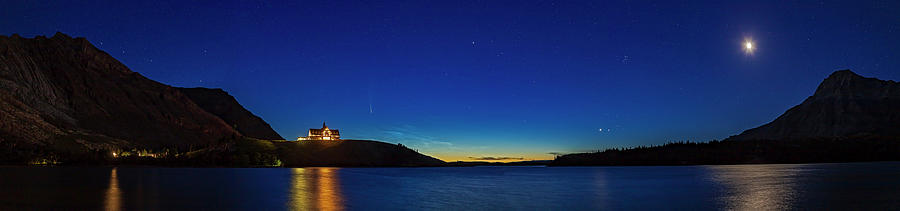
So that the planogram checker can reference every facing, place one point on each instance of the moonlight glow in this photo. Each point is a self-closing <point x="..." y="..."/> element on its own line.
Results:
<point x="748" y="46"/>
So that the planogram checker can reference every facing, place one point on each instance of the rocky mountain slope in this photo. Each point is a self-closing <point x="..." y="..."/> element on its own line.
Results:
<point x="845" y="104"/>
<point x="63" y="89"/>
<point x="223" y="105"/>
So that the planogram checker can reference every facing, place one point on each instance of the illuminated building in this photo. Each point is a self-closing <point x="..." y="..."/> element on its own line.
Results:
<point x="322" y="134"/>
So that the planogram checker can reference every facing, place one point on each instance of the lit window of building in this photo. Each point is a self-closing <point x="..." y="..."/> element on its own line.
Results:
<point x="322" y="134"/>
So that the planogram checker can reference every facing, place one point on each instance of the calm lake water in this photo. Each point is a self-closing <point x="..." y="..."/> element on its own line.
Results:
<point x="767" y="187"/>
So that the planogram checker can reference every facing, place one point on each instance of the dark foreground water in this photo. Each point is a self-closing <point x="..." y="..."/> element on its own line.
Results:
<point x="768" y="187"/>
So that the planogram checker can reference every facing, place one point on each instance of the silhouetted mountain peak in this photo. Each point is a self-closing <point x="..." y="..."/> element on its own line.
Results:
<point x="846" y="84"/>
<point x="845" y="104"/>
<point x="60" y="35"/>
<point x="844" y="73"/>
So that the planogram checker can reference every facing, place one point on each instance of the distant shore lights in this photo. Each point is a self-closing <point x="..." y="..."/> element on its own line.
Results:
<point x="322" y="134"/>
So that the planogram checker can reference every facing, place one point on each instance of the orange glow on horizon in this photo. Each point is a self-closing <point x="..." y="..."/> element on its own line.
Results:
<point x="468" y="158"/>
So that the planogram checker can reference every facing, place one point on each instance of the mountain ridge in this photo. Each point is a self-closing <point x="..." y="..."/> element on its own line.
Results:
<point x="218" y="102"/>
<point x="62" y="86"/>
<point x="844" y="104"/>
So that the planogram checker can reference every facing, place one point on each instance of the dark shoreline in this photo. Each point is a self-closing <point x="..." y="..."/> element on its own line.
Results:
<point x="730" y="152"/>
<point x="254" y="153"/>
<point x="440" y="166"/>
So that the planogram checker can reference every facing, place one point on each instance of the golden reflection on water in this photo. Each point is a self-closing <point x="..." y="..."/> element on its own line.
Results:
<point x="757" y="187"/>
<point x="113" y="200"/>
<point x="315" y="189"/>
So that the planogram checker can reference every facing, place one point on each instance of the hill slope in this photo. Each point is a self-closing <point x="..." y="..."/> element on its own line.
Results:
<point x="350" y="153"/>
<point x="223" y="105"/>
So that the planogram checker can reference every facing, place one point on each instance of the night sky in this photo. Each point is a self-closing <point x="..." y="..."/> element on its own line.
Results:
<point x="462" y="80"/>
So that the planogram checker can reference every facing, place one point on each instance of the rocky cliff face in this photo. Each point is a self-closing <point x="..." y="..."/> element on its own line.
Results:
<point x="223" y="105"/>
<point x="845" y="104"/>
<point x="63" y="87"/>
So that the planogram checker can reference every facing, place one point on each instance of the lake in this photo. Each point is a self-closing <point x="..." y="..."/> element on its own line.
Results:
<point x="742" y="187"/>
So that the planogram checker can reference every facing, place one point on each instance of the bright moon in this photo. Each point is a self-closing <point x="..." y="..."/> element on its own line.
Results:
<point x="748" y="47"/>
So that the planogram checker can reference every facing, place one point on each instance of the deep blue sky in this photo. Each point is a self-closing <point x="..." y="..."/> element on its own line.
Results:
<point x="491" y="78"/>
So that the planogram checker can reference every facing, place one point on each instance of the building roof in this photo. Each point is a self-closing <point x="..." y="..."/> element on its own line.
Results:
<point x="318" y="132"/>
